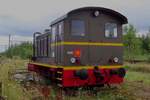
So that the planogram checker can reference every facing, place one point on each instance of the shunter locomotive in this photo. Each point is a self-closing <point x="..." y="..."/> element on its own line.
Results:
<point x="82" y="48"/>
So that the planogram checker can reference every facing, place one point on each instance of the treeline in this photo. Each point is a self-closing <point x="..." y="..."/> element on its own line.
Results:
<point x="136" y="47"/>
<point x="23" y="50"/>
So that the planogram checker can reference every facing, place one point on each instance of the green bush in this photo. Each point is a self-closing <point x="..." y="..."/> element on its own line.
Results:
<point x="23" y="50"/>
<point x="148" y="59"/>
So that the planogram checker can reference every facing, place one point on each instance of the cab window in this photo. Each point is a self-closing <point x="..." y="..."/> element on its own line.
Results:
<point x="77" y="28"/>
<point x="111" y="30"/>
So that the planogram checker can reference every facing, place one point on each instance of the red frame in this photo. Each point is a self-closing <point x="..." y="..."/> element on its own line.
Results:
<point x="69" y="80"/>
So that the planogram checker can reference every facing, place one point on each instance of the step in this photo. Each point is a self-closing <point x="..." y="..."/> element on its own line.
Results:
<point x="60" y="85"/>
<point x="59" y="72"/>
<point x="59" y="79"/>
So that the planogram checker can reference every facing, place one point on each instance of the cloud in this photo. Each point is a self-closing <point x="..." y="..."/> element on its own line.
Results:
<point x="10" y="25"/>
<point x="23" y="17"/>
<point x="14" y="39"/>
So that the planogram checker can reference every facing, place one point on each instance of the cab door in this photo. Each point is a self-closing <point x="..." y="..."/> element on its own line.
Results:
<point x="103" y="30"/>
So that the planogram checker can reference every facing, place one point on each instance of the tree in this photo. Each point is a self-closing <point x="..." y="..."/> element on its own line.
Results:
<point x="146" y="43"/>
<point x="23" y="50"/>
<point x="131" y="42"/>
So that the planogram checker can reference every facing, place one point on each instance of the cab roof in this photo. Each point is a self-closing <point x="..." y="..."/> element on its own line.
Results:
<point x="111" y="12"/>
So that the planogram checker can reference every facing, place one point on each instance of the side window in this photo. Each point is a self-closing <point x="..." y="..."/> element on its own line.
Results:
<point x="54" y="32"/>
<point x="40" y="48"/>
<point x="42" y="40"/>
<point x="111" y="30"/>
<point x="35" y="48"/>
<point x="45" y="47"/>
<point x="60" y="28"/>
<point x="37" y="43"/>
<point x="77" y="28"/>
<point x="49" y="46"/>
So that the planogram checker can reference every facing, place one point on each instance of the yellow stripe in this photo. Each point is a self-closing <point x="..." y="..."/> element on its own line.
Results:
<point x="91" y="67"/>
<point x="44" y="65"/>
<point x="78" y="67"/>
<point x="87" y="43"/>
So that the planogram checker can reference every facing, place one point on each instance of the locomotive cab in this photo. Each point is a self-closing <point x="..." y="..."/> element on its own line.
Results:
<point x="94" y="33"/>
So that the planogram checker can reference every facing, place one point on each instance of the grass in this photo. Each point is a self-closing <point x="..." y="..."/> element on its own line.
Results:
<point x="139" y="77"/>
<point x="138" y="67"/>
<point x="140" y="57"/>
<point x="10" y="90"/>
<point x="138" y="72"/>
<point x="137" y="82"/>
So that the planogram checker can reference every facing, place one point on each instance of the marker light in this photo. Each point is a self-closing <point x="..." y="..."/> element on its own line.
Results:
<point x="96" y="13"/>
<point x="77" y="53"/>
<point x="73" y="60"/>
<point x="116" y="59"/>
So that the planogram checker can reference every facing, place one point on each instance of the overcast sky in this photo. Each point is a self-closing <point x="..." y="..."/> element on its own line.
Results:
<point x="23" y="17"/>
